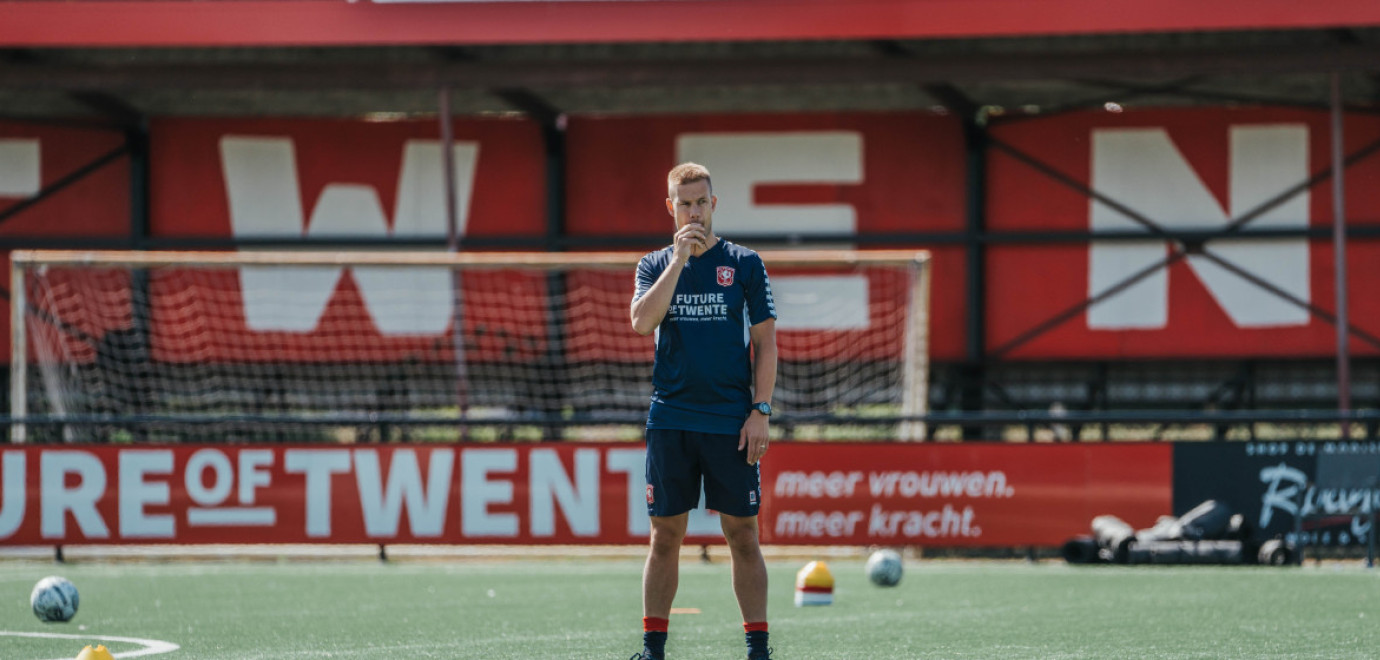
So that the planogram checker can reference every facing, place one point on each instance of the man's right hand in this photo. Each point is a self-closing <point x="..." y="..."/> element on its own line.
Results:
<point x="690" y="241"/>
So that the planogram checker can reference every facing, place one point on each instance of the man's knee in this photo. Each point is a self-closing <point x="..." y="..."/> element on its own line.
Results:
<point x="668" y="533"/>
<point x="740" y="532"/>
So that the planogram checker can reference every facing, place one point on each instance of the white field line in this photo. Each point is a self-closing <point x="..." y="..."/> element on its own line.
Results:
<point x="151" y="646"/>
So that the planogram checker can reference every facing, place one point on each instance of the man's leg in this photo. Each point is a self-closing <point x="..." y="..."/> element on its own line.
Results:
<point x="749" y="569"/>
<point x="749" y="578"/>
<point x="660" y="577"/>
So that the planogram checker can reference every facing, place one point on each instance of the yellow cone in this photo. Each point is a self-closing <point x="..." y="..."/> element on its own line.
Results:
<point x="98" y="653"/>
<point x="814" y="585"/>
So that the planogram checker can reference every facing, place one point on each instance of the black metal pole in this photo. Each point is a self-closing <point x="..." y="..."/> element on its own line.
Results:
<point x="140" y="223"/>
<point x="553" y="135"/>
<point x="448" y="170"/>
<point x="975" y="321"/>
<point x="557" y="282"/>
<point x="457" y="332"/>
<point x="137" y="143"/>
<point x="1339" y="252"/>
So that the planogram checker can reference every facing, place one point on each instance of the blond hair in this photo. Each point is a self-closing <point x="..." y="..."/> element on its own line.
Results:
<point x="687" y="173"/>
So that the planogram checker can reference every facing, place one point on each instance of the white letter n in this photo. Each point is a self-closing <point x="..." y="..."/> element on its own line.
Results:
<point x="1142" y="169"/>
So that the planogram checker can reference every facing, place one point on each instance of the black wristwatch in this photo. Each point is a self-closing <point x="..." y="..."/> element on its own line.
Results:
<point x="762" y="407"/>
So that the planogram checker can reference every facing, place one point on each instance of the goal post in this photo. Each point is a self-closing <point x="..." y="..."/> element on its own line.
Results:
<point x="111" y="346"/>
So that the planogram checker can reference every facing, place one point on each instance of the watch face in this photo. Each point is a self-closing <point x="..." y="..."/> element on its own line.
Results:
<point x="764" y="408"/>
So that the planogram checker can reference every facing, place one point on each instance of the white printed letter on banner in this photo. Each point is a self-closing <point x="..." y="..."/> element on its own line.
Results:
<point x="265" y="201"/>
<point x="1143" y="170"/>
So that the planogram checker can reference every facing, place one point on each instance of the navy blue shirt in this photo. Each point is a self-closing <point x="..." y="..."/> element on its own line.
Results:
<point x="702" y="378"/>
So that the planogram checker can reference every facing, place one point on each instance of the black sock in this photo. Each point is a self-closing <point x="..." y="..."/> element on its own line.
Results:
<point x="757" y="643"/>
<point x="654" y="644"/>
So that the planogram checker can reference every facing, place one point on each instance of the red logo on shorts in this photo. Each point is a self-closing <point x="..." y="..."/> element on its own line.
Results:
<point x="650" y="499"/>
<point x="725" y="275"/>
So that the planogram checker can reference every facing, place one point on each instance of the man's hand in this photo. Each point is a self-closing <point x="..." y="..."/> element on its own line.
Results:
<point x="754" y="437"/>
<point x="690" y="241"/>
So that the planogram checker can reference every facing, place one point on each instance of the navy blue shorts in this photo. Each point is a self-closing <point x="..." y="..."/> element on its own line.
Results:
<point x="678" y="462"/>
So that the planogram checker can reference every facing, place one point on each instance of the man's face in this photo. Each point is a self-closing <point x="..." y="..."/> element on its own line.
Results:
<point x="692" y="203"/>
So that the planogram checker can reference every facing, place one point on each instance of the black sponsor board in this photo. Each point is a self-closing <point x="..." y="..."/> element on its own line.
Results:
<point x="1272" y="483"/>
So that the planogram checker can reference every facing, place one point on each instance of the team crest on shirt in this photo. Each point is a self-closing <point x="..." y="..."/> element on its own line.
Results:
<point x="725" y="275"/>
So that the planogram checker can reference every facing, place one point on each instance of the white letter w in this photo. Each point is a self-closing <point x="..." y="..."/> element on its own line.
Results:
<point x="265" y="201"/>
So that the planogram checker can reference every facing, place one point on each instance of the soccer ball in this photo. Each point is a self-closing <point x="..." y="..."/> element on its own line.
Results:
<point x="54" y="599"/>
<point x="884" y="568"/>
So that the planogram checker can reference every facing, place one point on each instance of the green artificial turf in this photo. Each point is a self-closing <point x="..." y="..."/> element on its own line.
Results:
<point x="590" y="608"/>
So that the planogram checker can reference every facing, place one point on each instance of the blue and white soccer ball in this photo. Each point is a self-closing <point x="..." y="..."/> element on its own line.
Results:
<point x="884" y="568"/>
<point x="54" y="599"/>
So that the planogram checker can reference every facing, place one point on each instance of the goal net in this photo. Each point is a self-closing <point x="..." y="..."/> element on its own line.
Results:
<point x="359" y="346"/>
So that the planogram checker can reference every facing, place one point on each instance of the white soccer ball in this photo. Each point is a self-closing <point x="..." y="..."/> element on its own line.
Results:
<point x="884" y="568"/>
<point x="54" y="599"/>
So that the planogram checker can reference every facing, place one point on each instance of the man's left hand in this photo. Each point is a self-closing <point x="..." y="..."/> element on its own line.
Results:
<point x="754" y="437"/>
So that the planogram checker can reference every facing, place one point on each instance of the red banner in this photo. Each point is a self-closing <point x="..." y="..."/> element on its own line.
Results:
<point x="34" y="158"/>
<point x="257" y="177"/>
<point x="292" y="179"/>
<point x="1194" y="169"/>
<point x="784" y="175"/>
<point x="833" y="174"/>
<point x="854" y="494"/>
<point x="959" y="494"/>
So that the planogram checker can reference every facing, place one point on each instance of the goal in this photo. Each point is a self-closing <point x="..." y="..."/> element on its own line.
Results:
<point x="356" y="346"/>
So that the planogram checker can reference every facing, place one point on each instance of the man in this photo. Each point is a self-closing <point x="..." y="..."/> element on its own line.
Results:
<point x="708" y="301"/>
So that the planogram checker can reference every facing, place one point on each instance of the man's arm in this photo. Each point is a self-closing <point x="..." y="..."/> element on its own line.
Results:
<point x="754" y="435"/>
<point x="650" y="307"/>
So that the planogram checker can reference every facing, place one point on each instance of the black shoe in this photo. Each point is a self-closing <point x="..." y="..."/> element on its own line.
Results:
<point x="762" y="656"/>
<point x="641" y="656"/>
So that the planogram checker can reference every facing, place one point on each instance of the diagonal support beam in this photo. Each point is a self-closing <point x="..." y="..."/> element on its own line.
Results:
<point x="517" y="96"/>
<point x="1087" y="191"/>
<point x="530" y="104"/>
<point x="1290" y="298"/>
<point x="113" y="107"/>
<point x="57" y="186"/>
<point x="948" y="95"/>
<point x="954" y="99"/>
<point x="1234" y="226"/>
<point x="1288" y="193"/>
<point x="1059" y="319"/>
<point x="1182" y="248"/>
<point x="1349" y="37"/>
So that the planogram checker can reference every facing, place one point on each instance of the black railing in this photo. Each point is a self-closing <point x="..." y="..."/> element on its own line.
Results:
<point x="997" y="425"/>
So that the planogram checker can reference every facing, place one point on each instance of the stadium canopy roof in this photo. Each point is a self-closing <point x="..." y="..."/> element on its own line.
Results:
<point x="393" y="22"/>
<point x="352" y="58"/>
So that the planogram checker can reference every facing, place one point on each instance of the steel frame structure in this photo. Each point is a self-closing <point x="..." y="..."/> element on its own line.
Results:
<point x="970" y="386"/>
